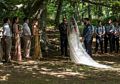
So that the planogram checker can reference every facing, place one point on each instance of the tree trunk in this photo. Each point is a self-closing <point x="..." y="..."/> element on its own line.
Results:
<point x="107" y="10"/>
<point x="40" y="12"/>
<point x="42" y="22"/>
<point x="99" y="10"/>
<point x="82" y="9"/>
<point x="89" y="11"/>
<point x="33" y="7"/>
<point x="59" y="9"/>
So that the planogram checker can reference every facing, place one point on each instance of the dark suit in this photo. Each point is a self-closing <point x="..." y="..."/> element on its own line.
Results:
<point x="88" y="36"/>
<point x="63" y="38"/>
<point x="100" y="31"/>
<point x="116" y="42"/>
<point x="109" y="37"/>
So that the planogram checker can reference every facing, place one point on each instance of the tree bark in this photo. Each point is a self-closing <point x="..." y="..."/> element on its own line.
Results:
<point x="32" y="7"/>
<point x="42" y="16"/>
<point x="99" y="10"/>
<point x="82" y="9"/>
<point x="89" y="11"/>
<point x="38" y="10"/>
<point x="95" y="3"/>
<point x="59" y="9"/>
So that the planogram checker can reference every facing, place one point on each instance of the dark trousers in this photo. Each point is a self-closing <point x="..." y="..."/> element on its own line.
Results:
<point x="109" y="39"/>
<point x="1" y="51"/>
<point x="112" y="43"/>
<point x="106" y="43"/>
<point x="7" y="48"/>
<point x="99" y="41"/>
<point x="88" y="47"/>
<point x="116" y="44"/>
<point x="64" y="45"/>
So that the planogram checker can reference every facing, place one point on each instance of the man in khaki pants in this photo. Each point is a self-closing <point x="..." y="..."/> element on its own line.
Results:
<point x="1" y="53"/>
<point x="7" y="34"/>
<point x="26" y="38"/>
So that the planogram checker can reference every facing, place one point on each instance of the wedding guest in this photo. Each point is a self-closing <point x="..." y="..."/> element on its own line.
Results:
<point x="109" y="36"/>
<point x="7" y="34"/>
<point x="100" y="32"/>
<point x="16" y="32"/>
<point x="1" y="50"/>
<point x="27" y="38"/>
<point x="63" y="37"/>
<point x="117" y="34"/>
<point x="36" y="35"/>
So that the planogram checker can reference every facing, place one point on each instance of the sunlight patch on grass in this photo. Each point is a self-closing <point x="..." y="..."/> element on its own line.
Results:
<point x="45" y="69"/>
<point x="5" y="77"/>
<point x="63" y="74"/>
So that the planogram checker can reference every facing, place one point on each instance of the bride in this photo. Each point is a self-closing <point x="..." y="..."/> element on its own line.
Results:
<point x="77" y="53"/>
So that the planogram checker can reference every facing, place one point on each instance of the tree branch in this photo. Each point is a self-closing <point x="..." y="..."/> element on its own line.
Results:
<point x="96" y="3"/>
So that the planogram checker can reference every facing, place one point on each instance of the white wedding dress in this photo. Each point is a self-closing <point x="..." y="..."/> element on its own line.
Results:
<point x="77" y="53"/>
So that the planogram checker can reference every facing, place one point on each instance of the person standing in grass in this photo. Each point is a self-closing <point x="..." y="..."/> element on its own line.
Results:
<point x="100" y="32"/>
<point x="117" y="34"/>
<point x="109" y="36"/>
<point x="7" y="34"/>
<point x="63" y="27"/>
<point x="27" y="38"/>
<point x="36" y="35"/>
<point x="88" y="32"/>
<point x="16" y="33"/>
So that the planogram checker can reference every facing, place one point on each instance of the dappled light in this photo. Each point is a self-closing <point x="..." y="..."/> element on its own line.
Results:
<point x="47" y="26"/>
<point x="59" y="69"/>
<point x="54" y="69"/>
<point x="5" y="77"/>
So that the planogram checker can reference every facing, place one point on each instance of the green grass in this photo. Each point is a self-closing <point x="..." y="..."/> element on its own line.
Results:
<point x="58" y="70"/>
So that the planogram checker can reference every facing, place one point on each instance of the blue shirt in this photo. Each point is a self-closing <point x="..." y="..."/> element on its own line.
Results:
<point x="100" y="30"/>
<point x="88" y="33"/>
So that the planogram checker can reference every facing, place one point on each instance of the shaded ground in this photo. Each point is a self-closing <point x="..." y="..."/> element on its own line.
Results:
<point x="59" y="71"/>
<point x="55" y="69"/>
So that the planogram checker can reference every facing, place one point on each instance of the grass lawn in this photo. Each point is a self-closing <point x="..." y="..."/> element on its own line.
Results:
<point x="55" y="69"/>
<point x="59" y="70"/>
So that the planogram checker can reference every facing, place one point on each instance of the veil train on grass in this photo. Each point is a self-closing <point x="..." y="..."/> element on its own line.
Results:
<point x="77" y="53"/>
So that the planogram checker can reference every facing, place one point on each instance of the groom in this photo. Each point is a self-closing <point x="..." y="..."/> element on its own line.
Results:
<point x="88" y="35"/>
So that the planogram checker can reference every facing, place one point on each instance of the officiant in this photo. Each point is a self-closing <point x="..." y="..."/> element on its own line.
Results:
<point x="63" y="37"/>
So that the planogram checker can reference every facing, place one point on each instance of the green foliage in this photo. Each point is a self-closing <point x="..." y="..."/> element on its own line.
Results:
<point x="105" y="20"/>
<point x="69" y="8"/>
<point x="95" y="22"/>
<point x="116" y="7"/>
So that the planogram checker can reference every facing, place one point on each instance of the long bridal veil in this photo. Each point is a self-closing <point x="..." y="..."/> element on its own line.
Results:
<point x="77" y="53"/>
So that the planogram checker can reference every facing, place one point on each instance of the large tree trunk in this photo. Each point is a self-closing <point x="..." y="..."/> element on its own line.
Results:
<point x="82" y="9"/>
<point x="41" y="15"/>
<point x="89" y="11"/>
<point x="42" y="21"/>
<point x="59" y="9"/>
<point x="38" y="10"/>
<point x="99" y="10"/>
<point x="107" y="10"/>
<point x="33" y="7"/>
